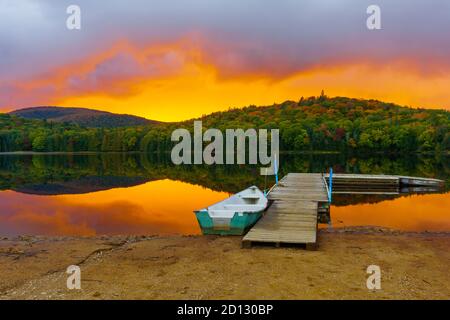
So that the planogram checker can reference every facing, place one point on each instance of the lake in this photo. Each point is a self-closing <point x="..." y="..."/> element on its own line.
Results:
<point x="145" y="194"/>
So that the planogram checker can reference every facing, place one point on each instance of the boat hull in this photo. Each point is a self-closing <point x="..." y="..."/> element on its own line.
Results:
<point x="237" y="225"/>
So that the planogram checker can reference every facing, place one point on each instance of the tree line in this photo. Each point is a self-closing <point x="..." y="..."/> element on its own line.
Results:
<point x="310" y="124"/>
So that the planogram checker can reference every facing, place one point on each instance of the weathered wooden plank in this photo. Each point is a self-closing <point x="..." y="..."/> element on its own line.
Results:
<point x="289" y="216"/>
<point x="298" y="196"/>
<point x="290" y="197"/>
<point x="290" y="213"/>
<point x="295" y="204"/>
<point x="288" y="224"/>
<point x="368" y="192"/>
<point x="299" y="240"/>
<point x="362" y="176"/>
<point x="305" y="236"/>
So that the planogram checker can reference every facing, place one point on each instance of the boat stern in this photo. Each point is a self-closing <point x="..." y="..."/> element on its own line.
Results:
<point x="237" y="225"/>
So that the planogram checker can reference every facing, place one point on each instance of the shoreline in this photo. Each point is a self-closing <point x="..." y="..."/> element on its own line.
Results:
<point x="285" y="152"/>
<point x="356" y="230"/>
<point x="414" y="265"/>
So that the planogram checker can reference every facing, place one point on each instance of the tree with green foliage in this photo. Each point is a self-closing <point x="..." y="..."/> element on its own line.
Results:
<point x="39" y="143"/>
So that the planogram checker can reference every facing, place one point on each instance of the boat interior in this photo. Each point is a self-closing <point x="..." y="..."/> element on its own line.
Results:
<point x="249" y="200"/>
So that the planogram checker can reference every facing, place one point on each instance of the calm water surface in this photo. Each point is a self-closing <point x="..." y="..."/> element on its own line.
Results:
<point x="140" y="194"/>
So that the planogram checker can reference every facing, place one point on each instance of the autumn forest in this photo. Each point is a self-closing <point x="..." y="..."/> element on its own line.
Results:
<point x="311" y="124"/>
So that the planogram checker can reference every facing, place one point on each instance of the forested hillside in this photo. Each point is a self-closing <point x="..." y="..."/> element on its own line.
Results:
<point x="82" y="117"/>
<point x="311" y="124"/>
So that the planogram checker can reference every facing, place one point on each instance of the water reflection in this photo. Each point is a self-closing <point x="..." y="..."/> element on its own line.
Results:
<point x="146" y="194"/>
<point x="78" y="173"/>
<point x="412" y="213"/>
<point x="159" y="207"/>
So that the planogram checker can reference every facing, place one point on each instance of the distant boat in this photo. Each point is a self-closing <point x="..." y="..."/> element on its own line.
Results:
<point x="235" y="215"/>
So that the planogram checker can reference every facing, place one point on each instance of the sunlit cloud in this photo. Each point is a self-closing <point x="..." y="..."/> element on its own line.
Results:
<point x="171" y="64"/>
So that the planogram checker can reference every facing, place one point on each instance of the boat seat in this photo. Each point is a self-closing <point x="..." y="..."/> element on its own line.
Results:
<point x="243" y="207"/>
<point x="250" y="196"/>
<point x="221" y="213"/>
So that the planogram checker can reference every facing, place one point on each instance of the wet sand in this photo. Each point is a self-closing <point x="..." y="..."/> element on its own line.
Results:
<point x="413" y="266"/>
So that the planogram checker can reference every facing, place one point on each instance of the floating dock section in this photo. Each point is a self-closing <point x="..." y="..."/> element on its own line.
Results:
<point x="381" y="184"/>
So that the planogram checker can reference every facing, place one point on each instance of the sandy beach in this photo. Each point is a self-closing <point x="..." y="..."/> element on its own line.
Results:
<point x="413" y="265"/>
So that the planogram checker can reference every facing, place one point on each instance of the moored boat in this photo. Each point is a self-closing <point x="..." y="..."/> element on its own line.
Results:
<point x="235" y="215"/>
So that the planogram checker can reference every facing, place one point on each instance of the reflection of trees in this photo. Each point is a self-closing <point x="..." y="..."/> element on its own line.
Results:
<point x="90" y="172"/>
<point x="352" y="199"/>
<point x="80" y="185"/>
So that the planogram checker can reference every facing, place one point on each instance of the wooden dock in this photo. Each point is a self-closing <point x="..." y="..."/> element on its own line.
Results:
<point x="292" y="217"/>
<point x="300" y="198"/>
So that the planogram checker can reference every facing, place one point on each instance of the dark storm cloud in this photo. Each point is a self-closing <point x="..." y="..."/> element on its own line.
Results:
<point x="249" y="36"/>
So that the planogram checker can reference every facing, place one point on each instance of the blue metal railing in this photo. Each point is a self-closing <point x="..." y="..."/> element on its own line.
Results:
<point x="276" y="169"/>
<point x="330" y="189"/>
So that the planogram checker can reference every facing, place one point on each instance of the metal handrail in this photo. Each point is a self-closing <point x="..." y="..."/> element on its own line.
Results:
<point x="330" y="188"/>
<point x="326" y="186"/>
<point x="330" y="191"/>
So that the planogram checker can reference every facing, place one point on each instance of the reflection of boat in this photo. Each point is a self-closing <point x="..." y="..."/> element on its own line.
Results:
<point x="235" y="215"/>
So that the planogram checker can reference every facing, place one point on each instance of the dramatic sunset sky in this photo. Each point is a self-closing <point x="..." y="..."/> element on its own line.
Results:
<point x="176" y="59"/>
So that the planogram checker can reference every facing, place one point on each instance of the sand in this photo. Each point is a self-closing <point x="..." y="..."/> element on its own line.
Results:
<point x="413" y="266"/>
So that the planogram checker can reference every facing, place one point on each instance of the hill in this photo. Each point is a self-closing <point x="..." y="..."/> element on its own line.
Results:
<point x="343" y="124"/>
<point x="336" y="124"/>
<point x="81" y="116"/>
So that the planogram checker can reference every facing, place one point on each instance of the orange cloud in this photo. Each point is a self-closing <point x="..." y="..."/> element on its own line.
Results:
<point x="185" y="79"/>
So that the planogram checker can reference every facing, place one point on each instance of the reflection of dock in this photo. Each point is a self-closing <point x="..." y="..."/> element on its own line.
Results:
<point x="292" y="218"/>
<point x="300" y="198"/>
